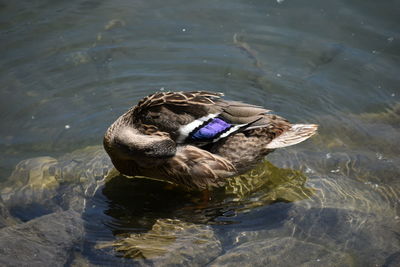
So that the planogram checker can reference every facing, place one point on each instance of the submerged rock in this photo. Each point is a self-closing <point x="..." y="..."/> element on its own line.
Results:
<point x="45" y="241"/>
<point x="350" y="215"/>
<point x="43" y="185"/>
<point x="169" y="243"/>
<point x="5" y="217"/>
<point x="49" y="195"/>
<point x="318" y="209"/>
<point x="31" y="181"/>
<point x="275" y="184"/>
<point x="377" y="131"/>
<point x="365" y="235"/>
<point x="390" y="116"/>
<point x="285" y="252"/>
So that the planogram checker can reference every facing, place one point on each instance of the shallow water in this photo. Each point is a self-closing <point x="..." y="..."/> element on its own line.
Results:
<point x="68" y="69"/>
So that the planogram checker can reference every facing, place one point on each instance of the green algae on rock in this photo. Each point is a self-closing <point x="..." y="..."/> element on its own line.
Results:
<point x="170" y="242"/>
<point x="276" y="184"/>
<point x="38" y="182"/>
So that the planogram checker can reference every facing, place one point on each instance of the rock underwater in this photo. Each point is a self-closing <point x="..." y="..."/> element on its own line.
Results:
<point x="44" y="198"/>
<point x="333" y="204"/>
<point x="41" y="205"/>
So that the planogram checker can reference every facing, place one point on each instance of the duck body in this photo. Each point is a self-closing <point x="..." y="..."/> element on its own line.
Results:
<point x="196" y="139"/>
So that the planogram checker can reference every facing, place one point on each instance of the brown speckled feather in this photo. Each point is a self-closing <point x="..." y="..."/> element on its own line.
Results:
<point x="175" y="98"/>
<point x="168" y="111"/>
<point x="196" y="168"/>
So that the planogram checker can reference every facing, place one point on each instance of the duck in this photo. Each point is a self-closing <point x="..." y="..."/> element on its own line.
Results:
<point x="197" y="139"/>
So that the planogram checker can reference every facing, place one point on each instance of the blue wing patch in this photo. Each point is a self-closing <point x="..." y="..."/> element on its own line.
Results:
<point x="210" y="130"/>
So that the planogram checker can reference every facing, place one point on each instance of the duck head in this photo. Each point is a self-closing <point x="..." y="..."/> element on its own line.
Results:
<point x="128" y="146"/>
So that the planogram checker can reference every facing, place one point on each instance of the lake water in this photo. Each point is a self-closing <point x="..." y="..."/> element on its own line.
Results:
<point x="70" y="68"/>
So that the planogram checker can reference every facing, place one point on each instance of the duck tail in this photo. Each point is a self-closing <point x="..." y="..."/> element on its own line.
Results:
<point x="296" y="134"/>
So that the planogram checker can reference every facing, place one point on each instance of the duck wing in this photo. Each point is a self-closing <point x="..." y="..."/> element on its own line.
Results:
<point x="198" y="117"/>
<point x="170" y="111"/>
<point x="202" y="118"/>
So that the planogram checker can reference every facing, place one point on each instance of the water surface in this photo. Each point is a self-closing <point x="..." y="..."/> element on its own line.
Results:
<point x="69" y="69"/>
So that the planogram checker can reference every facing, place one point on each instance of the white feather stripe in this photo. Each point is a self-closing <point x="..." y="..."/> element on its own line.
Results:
<point x="185" y="130"/>
<point x="230" y="131"/>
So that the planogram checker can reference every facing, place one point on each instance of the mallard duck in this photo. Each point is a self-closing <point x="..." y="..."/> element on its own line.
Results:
<point x="196" y="139"/>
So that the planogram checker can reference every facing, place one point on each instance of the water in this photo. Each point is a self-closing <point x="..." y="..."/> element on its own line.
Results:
<point x="68" y="69"/>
